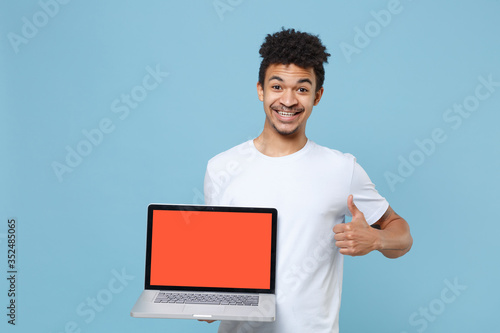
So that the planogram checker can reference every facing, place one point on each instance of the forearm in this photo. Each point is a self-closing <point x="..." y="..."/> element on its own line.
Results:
<point x="394" y="238"/>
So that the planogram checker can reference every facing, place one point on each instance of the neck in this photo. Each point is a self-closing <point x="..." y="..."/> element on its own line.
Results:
<point x="273" y="144"/>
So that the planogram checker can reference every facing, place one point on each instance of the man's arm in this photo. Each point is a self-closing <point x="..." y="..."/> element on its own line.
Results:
<point x="358" y="238"/>
<point x="394" y="235"/>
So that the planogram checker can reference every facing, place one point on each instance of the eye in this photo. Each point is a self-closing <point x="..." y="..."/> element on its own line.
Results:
<point x="303" y="90"/>
<point x="276" y="87"/>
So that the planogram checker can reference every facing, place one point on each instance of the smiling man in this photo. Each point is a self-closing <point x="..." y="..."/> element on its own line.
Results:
<point x="312" y="187"/>
<point x="288" y="93"/>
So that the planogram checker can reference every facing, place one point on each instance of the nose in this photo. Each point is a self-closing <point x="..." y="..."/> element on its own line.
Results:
<point x="288" y="98"/>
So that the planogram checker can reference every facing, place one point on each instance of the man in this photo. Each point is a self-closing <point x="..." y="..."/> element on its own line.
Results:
<point x="312" y="187"/>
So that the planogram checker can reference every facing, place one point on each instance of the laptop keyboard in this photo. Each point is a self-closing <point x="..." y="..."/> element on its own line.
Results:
<point x="215" y="299"/>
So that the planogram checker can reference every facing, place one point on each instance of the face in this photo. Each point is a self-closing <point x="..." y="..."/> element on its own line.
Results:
<point x="289" y="94"/>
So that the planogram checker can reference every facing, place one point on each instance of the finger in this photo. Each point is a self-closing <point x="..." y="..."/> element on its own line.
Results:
<point x="339" y="228"/>
<point x="340" y="244"/>
<point x="352" y="207"/>
<point x="340" y="237"/>
<point x="344" y="246"/>
<point x="346" y="251"/>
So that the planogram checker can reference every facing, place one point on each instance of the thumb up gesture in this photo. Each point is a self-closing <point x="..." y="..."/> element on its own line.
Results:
<point x="355" y="238"/>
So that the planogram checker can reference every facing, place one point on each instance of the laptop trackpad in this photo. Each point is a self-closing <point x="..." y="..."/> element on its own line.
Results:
<point x="202" y="310"/>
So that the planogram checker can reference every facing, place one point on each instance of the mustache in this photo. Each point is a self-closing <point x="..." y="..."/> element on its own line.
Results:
<point x="286" y="108"/>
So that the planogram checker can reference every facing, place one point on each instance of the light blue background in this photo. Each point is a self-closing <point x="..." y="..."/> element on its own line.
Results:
<point x="74" y="232"/>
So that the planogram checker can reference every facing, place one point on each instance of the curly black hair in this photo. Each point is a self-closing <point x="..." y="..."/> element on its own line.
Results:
<point x="294" y="47"/>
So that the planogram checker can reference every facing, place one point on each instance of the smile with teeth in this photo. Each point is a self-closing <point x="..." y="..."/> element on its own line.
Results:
<point x="287" y="114"/>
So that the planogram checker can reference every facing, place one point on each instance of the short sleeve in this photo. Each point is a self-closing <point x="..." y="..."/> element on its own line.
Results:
<point x="366" y="197"/>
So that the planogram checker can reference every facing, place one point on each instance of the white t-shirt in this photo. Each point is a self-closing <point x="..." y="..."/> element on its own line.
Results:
<point x="309" y="189"/>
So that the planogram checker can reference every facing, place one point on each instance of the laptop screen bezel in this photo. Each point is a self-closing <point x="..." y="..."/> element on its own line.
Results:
<point x="177" y="207"/>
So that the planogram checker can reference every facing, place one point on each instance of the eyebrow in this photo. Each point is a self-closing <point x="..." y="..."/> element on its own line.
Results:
<point x="304" y="80"/>
<point x="275" y="77"/>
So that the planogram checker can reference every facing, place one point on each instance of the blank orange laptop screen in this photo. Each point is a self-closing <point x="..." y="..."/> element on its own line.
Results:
<point x="211" y="249"/>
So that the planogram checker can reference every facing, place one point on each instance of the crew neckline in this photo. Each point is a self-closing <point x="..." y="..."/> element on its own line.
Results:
<point x="299" y="153"/>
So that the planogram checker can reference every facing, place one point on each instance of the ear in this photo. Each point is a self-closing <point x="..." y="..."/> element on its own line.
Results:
<point x="260" y="91"/>
<point x="317" y="98"/>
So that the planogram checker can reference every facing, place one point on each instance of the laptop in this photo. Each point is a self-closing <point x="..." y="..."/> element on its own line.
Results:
<point x="209" y="263"/>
